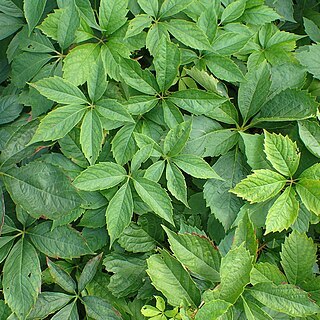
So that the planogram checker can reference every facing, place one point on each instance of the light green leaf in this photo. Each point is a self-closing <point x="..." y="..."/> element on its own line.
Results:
<point x="285" y="298"/>
<point x="137" y="24"/>
<point x="213" y="310"/>
<point x="21" y="278"/>
<point x="309" y="132"/>
<point x="197" y="101"/>
<point x="69" y="22"/>
<point x="309" y="192"/>
<point x="48" y="303"/>
<point x="155" y="197"/>
<point x="87" y="13"/>
<point x="267" y="272"/>
<point x="176" y="138"/>
<point x="233" y="11"/>
<point x="298" y="256"/>
<point x="169" y="277"/>
<point x="195" y="166"/>
<point x="253" y="311"/>
<point x="78" y="63"/>
<point x="99" y="309"/>
<point x="288" y="105"/>
<point x="137" y="78"/>
<point x="155" y="33"/>
<point x="123" y="144"/>
<point x="166" y="63"/>
<point x="140" y="104"/>
<point x="141" y="156"/>
<point x="171" y="7"/>
<point x="282" y="153"/>
<point x="224" y="68"/>
<point x="119" y="212"/>
<point x="189" y="34"/>
<point x="229" y="43"/>
<point x="33" y="12"/>
<point x="260" y="186"/>
<point x="62" y="242"/>
<point x="112" y="15"/>
<point x="113" y="110"/>
<point x="69" y="312"/>
<point x="91" y="136"/>
<point x="309" y="59"/>
<point x="103" y="175"/>
<point x="61" y="277"/>
<point x="260" y="15"/>
<point x="171" y="114"/>
<point x="283" y="212"/>
<point x="60" y="90"/>
<point x="89" y="271"/>
<point x="154" y="172"/>
<point x="42" y="189"/>
<point x="253" y="91"/>
<point x="58" y="123"/>
<point x="234" y="273"/>
<point x="150" y="7"/>
<point x="176" y="183"/>
<point x="197" y="253"/>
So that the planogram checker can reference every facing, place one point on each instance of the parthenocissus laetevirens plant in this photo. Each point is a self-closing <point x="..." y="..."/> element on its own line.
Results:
<point x="159" y="159"/>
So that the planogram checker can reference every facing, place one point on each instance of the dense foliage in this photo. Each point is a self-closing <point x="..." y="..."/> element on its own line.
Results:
<point x="159" y="159"/>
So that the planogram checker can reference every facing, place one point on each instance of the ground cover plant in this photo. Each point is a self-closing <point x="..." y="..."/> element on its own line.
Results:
<point x="159" y="159"/>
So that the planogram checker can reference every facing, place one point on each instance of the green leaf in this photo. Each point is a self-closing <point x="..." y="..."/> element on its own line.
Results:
<point x="87" y="13"/>
<point x="234" y="273"/>
<point x="21" y="278"/>
<point x="155" y="197"/>
<point x="69" y="312"/>
<point x="89" y="271"/>
<point x="285" y="298"/>
<point x="91" y="136"/>
<point x="169" y="277"/>
<point x="223" y="204"/>
<point x="197" y="101"/>
<point x="42" y="189"/>
<point x="176" y="183"/>
<point x="166" y="63"/>
<point x="171" y="7"/>
<point x="60" y="90"/>
<point x="150" y="7"/>
<point x="123" y="144"/>
<point x="112" y="110"/>
<point x="97" y="308"/>
<point x="284" y="212"/>
<point x="154" y="172"/>
<point x="137" y="78"/>
<point x="10" y="108"/>
<point x="195" y="166"/>
<point x="309" y="59"/>
<point x="224" y="68"/>
<point x="135" y="239"/>
<point x="61" y="277"/>
<point x="176" y="138"/>
<point x="189" y="34"/>
<point x="282" y="153"/>
<point x="260" y="15"/>
<point x="137" y="24"/>
<point x="69" y="22"/>
<point x="253" y="91"/>
<point x="197" y="253"/>
<point x="78" y="63"/>
<point x="103" y="175"/>
<point x="229" y="43"/>
<point x="62" y="242"/>
<point x="58" y="123"/>
<point x="213" y="310"/>
<point x="288" y="105"/>
<point x="112" y="15"/>
<point x="298" y="256"/>
<point x="129" y="273"/>
<point x="48" y="303"/>
<point x="33" y="12"/>
<point x="119" y="212"/>
<point x="140" y="104"/>
<point x="309" y="132"/>
<point x="253" y="311"/>
<point x="312" y="30"/>
<point x="267" y="272"/>
<point x="8" y="25"/>
<point x="260" y="186"/>
<point x="233" y="11"/>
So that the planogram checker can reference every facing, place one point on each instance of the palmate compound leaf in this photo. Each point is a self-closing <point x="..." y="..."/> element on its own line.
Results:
<point x="298" y="256"/>
<point x="21" y="278"/>
<point x="282" y="153"/>
<point x="197" y="253"/>
<point x="42" y="189"/>
<point x="285" y="298"/>
<point x="309" y="132"/>
<point x="169" y="277"/>
<point x="260" y="186"/>
<point x="101" y="176"/>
